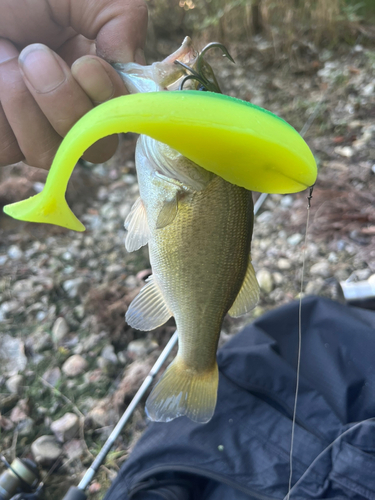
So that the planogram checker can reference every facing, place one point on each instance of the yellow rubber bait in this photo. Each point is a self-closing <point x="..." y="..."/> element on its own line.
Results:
<point x="244" y="144"/>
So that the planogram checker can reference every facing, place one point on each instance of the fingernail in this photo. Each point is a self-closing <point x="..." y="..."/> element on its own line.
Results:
<point x="7" y="51"/>
<point x="139" y="57"/>
<point x="41" y="68"/>
<point x="94" y="79"/>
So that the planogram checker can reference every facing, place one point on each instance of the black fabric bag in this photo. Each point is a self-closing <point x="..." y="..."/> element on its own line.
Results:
<point x="243" y="452"/>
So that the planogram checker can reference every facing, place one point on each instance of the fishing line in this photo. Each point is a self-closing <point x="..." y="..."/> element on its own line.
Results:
<point x="299" y="343"/>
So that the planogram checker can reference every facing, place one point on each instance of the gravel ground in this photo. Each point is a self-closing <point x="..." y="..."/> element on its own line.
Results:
<point x="70" y="363"/>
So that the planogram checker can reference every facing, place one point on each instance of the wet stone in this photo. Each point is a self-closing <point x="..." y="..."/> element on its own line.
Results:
<point x="66" y="427"/>
<point x="46" y="450"/>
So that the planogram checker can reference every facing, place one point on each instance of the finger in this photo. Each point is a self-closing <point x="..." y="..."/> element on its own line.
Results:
<point x="98" y="79"/>
<point x="35" y="137"/>
<point x="9" y="149"/>
<point x="58" y="95"/>
<point x="118" y="26"/>
<point x="76" y="47"/>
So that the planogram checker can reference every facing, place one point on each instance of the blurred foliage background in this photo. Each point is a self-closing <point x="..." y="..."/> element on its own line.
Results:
<point x="283" y="23"/>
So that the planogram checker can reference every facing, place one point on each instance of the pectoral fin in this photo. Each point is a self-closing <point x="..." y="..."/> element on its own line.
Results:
<point x="168" y="213"/>
<point x="149" y="309"/>
<point x="248" y="296"/>
<point x="137" y="227"/>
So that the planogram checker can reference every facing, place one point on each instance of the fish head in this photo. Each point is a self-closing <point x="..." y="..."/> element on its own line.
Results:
<point x="178" y="69"/>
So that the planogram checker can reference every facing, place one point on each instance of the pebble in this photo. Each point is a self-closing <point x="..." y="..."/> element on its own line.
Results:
<point x="7" y="402"/>
<point x="295" y="239"/>
<point x="75" y="287"/>
<point x="14" y="252"/>
<point x="52" y="376"/>
<point x="322" y="269"/>
<point x="278" y="278"/>
<point x="141" y="347"/>
<point x="108" y="353"/>
<point x="266" y="216"/>
<point x="286" y="201"/>
<point x="74" y="366"/>
<point x="314" y="287"/>
<point x="345" y="151"/>
<point x="26" y="427"/>
<point x="265" y="280"/>
<point x="46" y="450"/>
<point x="74" y="449"/>
<point x="66" y="427"/>
<point x="59" y="330"/>
<point x="283" y="264"/>
<point x="14" y="384"/>
<point x="12" y="355"/>
<point x="41" y="341"/>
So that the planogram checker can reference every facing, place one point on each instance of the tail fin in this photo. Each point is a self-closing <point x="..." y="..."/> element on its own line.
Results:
<point x="183" y="391"/>
<point x="49" y="210"/>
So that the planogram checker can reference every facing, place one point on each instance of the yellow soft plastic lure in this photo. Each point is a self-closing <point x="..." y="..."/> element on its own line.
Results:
<point x="244" y="144"/>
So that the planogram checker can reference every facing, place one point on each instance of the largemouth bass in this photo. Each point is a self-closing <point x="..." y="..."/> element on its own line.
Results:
<point x="198" y="228"/>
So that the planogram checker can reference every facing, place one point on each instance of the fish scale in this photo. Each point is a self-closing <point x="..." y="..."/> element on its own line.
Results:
<point x="199" y="260"/>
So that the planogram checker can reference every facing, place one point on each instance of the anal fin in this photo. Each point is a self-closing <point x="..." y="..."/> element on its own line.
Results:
<point x="248" y="295"/>
<point x="137" y="227"/>
<point x="149" y="309"/>
<point x="183" y="391"/>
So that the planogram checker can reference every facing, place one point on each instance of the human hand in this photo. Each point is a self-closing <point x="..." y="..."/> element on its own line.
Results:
<point x="45" y="89"/>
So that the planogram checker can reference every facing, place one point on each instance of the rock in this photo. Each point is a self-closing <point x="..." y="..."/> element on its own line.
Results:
<point x="265" y="217"/>
<point x="41" y="341"/>
<point x="66" y="427"/>
<point x="345" y="151"/>
<point x="75" y="287"/>
<point x="74" y="449"/>
<point x="46" y="450"/>
<point x="21" y="411"/>
<point x="368" y="89"/>
<point x="12" y="355"/>
<point x="314" y="287"/>
<point x="52" y="376"/>
<point x="59" y="330"/>
<point x="322" y="269"/>
<point x="278" y="278"/>
<point x="108" y="353"/>
<point x="26" y="427"/>
<point x="265" y="280"/>
<point x="141" y="347"/>
<point x="283" y="264"/>
<point x="286" y="201"/>
<point x="113" y="271"/>
<point x="295" y="239"/>
<point x="14" y="252"/>
<point x="14" y="384"/>
<point x="74" y="366"/>
<point x="7" y="402"/>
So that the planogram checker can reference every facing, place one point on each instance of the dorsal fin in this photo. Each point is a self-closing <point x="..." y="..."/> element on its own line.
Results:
<point x="137" y="227"/>
<point x="248" y="296"/>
